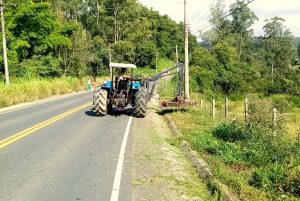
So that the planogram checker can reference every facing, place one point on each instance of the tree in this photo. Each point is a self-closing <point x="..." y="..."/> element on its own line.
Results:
<point x="98" y="60"/>
<point x="203" y="58"/>
<point x="75" y="34"/>
<point x="36" y="34"/>
<point x="225" y="54"/>
<point x="277" y="44"/>
<point x="220" y="25"/>
<point x="146" y="54"/>
<point x="242" y="20"/>
<point x="123" y="51"/>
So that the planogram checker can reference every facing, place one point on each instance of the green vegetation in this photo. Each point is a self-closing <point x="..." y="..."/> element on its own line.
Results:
<point x="72" y="38"/>
<point x="233" y="61"/>
<point x="53" y="45"/>
<point x="26" y="90"/>
<point x="254" y="162"/>
<point x="50" y="40"/>
<point x="298" y="52"/>
<point x="162" y="64"/>
<point x="255" y="159"/>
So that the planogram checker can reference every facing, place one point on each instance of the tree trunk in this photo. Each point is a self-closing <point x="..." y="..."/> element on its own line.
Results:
<point x="272" y="69"/>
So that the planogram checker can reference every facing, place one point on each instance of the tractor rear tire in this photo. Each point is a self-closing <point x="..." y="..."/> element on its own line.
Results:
<point x="95" y="95"/>
<point x="100" y="102"/>
<point x="140" y="108"/>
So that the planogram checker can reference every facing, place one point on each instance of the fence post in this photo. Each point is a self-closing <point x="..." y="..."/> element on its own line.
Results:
<point x="213" y="108"/>
<point x="274" y="121"/>
<point x="226" y="107"/>
<point x="201" y="103"/>
<point x="246" y="109"/>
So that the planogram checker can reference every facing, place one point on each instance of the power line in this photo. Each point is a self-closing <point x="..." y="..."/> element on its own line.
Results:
<point x="198" y="13"/>
<point x="201" y="17"/>
<point x="204" y="15"/>
<point x="204" y="18"/>
<point x="230" y="13"/>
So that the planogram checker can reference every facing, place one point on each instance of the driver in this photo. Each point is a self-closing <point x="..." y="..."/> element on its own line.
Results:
<point x="122" y="74"/>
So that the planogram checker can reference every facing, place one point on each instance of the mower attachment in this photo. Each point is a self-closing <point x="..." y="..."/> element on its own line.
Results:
<point x="178" y="101"/>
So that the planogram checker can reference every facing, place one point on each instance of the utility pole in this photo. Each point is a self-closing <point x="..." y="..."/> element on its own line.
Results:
<point x="156" y="62"/>
<point x="4" y="43"/>
<point x="110" y="68"/>
<point x="186" y="54"/>
<point x="177" y="57"/>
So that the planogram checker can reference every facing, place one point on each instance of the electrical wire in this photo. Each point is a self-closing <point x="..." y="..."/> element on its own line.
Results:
<point x="205" y="18"/>
<point x="199" y="13"/>
<point x="226" y="15"/>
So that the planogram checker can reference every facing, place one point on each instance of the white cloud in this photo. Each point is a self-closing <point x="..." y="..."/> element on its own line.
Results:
<point x="264" y="9"/>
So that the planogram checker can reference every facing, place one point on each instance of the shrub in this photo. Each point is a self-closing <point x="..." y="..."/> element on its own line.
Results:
<point x="295" y="100"/>
<point x="268" y="177"/>
<point x="292" y="184"/>
<point x="282" y="104"/>
<point x="260" y="118"/>
<point x="230" y="132"/>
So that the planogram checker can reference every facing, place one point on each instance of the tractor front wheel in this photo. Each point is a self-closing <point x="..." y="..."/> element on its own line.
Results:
<point x="140" y="108"/>
<point x="100" y="102"/>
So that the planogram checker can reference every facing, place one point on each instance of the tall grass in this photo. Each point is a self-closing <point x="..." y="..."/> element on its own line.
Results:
<point x="249" y="158"/>
<point x="25" y="90"/>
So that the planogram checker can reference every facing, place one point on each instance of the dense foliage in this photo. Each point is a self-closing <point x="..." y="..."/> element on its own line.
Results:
<point x="55" y="38"/>
<point x="233" y="61"/>
<point x="272" y="155"/>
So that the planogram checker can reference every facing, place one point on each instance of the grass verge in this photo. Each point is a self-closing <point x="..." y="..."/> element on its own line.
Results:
<point x="249" y="158"/>
<point x="27" y="90"/>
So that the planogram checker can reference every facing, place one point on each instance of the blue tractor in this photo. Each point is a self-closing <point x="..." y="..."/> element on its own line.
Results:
<point x="121" y="92"/>
<point x="124" y="91"/>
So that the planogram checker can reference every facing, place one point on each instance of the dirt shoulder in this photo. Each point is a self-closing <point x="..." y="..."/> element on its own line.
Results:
<point x="160" y="169"/>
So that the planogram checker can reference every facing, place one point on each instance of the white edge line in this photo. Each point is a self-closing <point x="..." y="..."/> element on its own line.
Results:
<point x="118" y="175"/>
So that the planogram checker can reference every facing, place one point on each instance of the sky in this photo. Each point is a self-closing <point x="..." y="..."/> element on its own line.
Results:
<point x="198" y="12"/>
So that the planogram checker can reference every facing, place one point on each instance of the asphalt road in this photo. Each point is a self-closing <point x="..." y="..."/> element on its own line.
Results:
<point x="73" y="156"/>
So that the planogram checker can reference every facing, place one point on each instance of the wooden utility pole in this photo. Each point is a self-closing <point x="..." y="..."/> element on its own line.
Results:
<point x="177" y="57"/>
<point x="186" y="53"/>
<point x="156" y="62"/>
<point x="4" y="43"/>
<point x="110" y="68"/>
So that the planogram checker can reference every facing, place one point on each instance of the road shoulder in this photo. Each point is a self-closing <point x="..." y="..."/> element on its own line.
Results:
<point x="160" y="169"/>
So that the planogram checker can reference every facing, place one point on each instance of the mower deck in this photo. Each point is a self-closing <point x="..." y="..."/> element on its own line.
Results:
<point x="177" y="102"/>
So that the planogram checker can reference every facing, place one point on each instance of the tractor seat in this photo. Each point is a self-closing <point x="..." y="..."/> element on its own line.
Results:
<point x="122" y="85"/>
